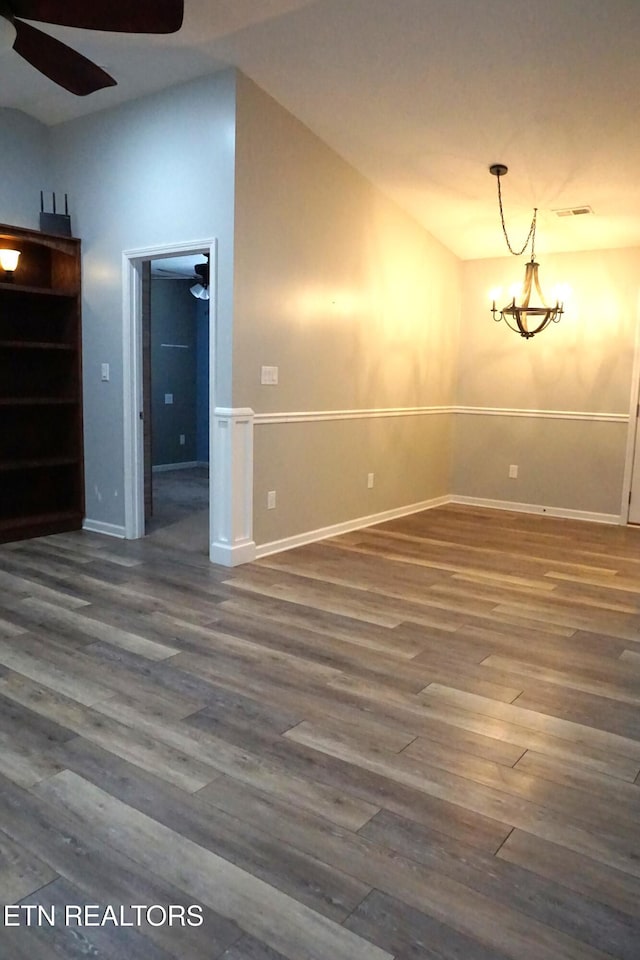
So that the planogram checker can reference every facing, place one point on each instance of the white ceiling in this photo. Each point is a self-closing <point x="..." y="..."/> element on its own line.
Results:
<point x="176" y="268"/>
<point x="421" y="96"/>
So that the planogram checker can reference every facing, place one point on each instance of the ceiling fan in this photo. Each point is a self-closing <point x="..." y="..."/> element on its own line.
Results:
<point x="200" y="289"/>
<point x="197" y="273"/>
<point x="61" y="63"/>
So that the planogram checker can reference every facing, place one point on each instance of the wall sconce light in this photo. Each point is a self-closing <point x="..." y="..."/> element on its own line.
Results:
<point x="525" y="318"/>
<point x="9" y="262"/>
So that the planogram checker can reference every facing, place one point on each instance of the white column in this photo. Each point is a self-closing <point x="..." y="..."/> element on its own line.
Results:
<point x="231" y="515"/>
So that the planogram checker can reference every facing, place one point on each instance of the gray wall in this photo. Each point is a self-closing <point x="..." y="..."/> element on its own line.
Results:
<point x="25" y="168"/>
<point x="155" y="171"/>
<point x="173" y="372"/>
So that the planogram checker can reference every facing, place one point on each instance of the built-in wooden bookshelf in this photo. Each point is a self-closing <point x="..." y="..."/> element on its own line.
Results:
<point x="41" y="464"/>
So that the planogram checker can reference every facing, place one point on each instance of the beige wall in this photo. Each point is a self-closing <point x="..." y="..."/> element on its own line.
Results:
<point x="562" y="464"/>
<point x="319" y="469"/>
<point x="581" y="365"/>
<point x="358" y="307"/>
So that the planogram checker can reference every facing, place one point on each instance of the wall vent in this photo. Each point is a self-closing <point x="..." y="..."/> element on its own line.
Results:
<point x="574" y="211"/>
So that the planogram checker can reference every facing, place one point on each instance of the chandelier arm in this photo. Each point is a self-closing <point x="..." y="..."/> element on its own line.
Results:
<point x="546" y="320"/>
<point x="539" y="289"/>
<point x="532" y="229"/>
<point x="516" y="328"/>
<point x="526" y="287"/>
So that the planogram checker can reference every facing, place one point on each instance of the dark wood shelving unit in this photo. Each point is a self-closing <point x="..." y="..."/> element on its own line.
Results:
<point x="41" y="458"/>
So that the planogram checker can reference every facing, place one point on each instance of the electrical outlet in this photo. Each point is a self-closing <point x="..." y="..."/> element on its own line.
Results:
<point x="513" y="471"/>
<point x="271" y="500"/>
<point x="370" y="481"/>
<point x="182" y="439"/>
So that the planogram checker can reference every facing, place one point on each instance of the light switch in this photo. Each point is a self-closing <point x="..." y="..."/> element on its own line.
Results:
<point x="168" y="398"/>
<point x="104" y="374"/>
<point x="269" y="376"/>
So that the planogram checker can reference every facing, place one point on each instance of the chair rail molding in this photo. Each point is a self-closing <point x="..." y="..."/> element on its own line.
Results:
<point x="231" y="515"/>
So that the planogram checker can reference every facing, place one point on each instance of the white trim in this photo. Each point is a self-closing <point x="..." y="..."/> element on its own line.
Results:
<point x="182" y="465"/>
<point x="227" y="555"/>
<point x="561" y="512"/>
<point x="634" y="400"/>
<point x="108" y="529"/>
<point x="132" y="398"/>
<point x="231" y="514"/>
<point x="544" y="414"/>
<point x="310" y="416"/>
<point x="132" y="368"/>
<point x="305" y="416"/>
<point x="312" y="536"/>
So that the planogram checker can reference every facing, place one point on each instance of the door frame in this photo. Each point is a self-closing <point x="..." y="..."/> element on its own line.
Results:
<point x="633" y="433"/>
<point x="132" y="372"/>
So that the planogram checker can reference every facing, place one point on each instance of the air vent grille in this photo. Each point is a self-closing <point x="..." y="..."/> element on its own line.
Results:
<point x="574" y="211"/>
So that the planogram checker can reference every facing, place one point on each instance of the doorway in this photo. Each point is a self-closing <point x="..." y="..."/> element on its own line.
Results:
<point x="175" y="338"/>
<point x="180" y="402"/>
<point x="634" y="491"/>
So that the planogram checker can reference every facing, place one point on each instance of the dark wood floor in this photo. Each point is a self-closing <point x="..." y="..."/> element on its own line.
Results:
<point x="421" y="740"/>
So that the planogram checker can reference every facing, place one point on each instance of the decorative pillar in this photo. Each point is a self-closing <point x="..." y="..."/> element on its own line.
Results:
<point x="231" y="530"/>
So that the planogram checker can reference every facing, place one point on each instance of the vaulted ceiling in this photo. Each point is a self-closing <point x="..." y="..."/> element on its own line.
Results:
<point x="421" y="96"/>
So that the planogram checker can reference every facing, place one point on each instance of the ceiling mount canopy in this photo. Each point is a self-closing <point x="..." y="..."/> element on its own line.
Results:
<point x="61" y="63"/>
<point x="527" y="317"/>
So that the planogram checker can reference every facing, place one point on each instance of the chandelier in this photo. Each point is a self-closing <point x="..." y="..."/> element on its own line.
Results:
<point x="529" y="316"/>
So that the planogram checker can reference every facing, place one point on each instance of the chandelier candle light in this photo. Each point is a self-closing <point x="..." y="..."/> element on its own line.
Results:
<point x="524" y="318"/>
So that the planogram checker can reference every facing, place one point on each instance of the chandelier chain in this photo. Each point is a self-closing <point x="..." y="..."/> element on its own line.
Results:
<point x="531" y="236"/>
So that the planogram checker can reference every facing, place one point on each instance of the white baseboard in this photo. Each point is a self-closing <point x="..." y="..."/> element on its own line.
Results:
<point x="187" y="465"/>
<point x="232" y="555"/>
<point x="560" y="512"/>
<point x="312" y="536"/>
<point x="108" y="529"/>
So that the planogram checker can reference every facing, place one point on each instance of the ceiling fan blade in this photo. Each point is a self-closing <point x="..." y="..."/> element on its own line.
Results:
<point x="119" y="16"/>
<point x="59" y="62"/>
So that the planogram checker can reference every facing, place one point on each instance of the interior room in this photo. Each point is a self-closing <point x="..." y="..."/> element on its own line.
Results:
<point x="319" y="566"/>
<point x="177" y="505"/>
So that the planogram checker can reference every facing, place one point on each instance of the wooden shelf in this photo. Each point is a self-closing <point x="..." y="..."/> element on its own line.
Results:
<point x="35" y="345"/>
<point x="38" y="291"/>
<point x="37" y="401"/>
<point x="39" y="524"/>
<point x="41" y="464"/>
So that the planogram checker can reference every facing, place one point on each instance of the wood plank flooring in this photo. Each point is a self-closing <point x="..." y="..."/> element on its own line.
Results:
<point x="419" y="740"/>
